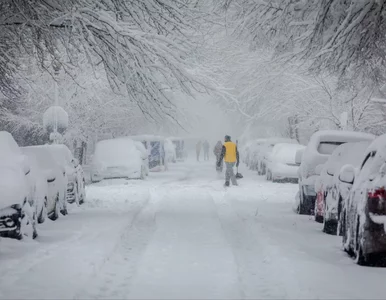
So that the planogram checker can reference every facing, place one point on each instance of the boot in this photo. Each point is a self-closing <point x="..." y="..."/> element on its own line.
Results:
<point x="226" y="183"/>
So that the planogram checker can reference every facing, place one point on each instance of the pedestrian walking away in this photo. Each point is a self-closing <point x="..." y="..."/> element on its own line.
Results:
<point x="230" y="155"/>
<point x="217" y="153"/>
<point x="206" y="150"/>
<point x="198" y="150"/>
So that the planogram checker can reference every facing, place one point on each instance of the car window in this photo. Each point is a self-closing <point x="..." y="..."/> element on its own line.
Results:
<point x="328" y="148"/>
<point x="368" y="167"/>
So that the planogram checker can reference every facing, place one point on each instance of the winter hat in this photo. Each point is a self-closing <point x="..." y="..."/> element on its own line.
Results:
<point x="227" y="138"/>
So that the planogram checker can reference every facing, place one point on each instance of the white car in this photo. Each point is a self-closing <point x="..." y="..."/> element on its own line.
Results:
<point x="328" y="188"/>
<point x="76" y="184"/>
<point x="364" y="213"/>
<point x="117" y="158"/>
<point x="321" y="145"/>
<point x="265" y="150"/>
<point x="55" y="177"/>
<point x="144" y="154"/>
<point x="18" y="189"/>
<point x="281" y="163"/>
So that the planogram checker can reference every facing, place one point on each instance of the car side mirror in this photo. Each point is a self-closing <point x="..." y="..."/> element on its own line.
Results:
<point x="347" y="174"/>
<point x="331" y="171"/>
<point x="318" y="169"/>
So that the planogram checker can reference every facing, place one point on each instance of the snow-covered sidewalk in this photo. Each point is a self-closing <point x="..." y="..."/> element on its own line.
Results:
<point x="180" y="234"/>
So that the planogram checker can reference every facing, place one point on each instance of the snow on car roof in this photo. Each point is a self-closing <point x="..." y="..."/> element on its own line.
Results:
<point x="8" y="144"/>
<point x="43" y="156"/>
<point x="276" y="140"/>
<point x="378" y="144"/>
<point x="348" y="153"/>
<point x="116" y="150"/>
<point x="60" y="152"/>
<point x="340" y="136"/>
<point x="286" y="153"/>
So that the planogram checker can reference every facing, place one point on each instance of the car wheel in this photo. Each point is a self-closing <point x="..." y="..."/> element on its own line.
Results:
<point x="55" y="214"/>
<point x="28" y="226"/>
<point x="43" y="212"/>
<point x="317" y="218"/>
<point x="329" y="227"/>
<point x="82" y="194"/>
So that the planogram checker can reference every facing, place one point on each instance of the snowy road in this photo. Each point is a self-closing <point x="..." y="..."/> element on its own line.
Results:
<point x="180" y="234"/>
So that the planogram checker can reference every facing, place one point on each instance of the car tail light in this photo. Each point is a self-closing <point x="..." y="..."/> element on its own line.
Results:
<point x="377" y="201"/>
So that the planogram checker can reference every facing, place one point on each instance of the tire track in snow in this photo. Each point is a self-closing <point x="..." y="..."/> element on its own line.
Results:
<point x="264" y="272"/>
<point x="112" y="279"/>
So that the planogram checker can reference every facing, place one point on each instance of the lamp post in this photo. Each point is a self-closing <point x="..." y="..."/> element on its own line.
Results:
<point x="55" y="118"/>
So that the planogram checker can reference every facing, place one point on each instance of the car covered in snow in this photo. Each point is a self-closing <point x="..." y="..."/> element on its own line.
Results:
<point x="265" y="150"/>
<point x="156" y="149"/>
<point x="320" y="147"/>
<point x="117" y="158"/>
<point x="55" y="178"/>
<point x="281" y="163"/>
<point x="364" y="213"/>
<point x="250" y="153"/>
<point x="76" y="184"/>
<point x="328" y="187"/>
<point x="19" y="191"/>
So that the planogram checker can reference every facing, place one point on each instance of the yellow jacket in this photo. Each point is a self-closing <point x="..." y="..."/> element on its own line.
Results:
<point x="229" y="152"/>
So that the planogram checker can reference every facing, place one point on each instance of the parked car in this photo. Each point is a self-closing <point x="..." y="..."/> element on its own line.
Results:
<point x="117" y="158"/>
<point x="327" y="186"/>
<point x="18" y="204"/>
<point x="145" y="156"/>
<point x="364" y="212"/>
<point x="76" y="183"/>
<point x="281" y="163"/>
<point x="253" y="154"/>
<point x="55" y="178"/>
<point x="179" y="145"/>
<point x="155" y="146"/>
<point x="266" y="149"/>
<point x="320" y="147"/>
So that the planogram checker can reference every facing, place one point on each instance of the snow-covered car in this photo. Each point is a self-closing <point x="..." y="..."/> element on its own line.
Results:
<point x="170" y="151"/>
<point x="251" y="153"/>
<point x="321" y="145"/>
<point x="144" y="155"/>
<point x="281" y="163"/>
<point x="117" y="158"/>
<point x="76" y="183"/>
<point x="179" y="145"/>
<point x="364" y="212"/>
<point x="266" y="149"/>
<point x="18" y="189"/>
<point x="327" y="186"/>
<point x="155" y="146"/>
<point x="55" y="178"/>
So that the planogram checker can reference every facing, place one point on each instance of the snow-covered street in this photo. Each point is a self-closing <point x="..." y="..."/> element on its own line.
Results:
<point x="180" y="234"/>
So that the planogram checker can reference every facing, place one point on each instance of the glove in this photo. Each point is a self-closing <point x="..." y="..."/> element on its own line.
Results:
<point x="218" y="164"/>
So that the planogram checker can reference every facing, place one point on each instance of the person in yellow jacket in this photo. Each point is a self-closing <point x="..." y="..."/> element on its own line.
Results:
<point x="230" y="155"/>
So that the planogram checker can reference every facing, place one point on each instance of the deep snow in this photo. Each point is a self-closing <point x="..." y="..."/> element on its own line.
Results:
<point x="180" y="234"/>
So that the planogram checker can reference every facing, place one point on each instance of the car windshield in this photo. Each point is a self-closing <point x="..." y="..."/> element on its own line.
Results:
<point x="328" y="148"/>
